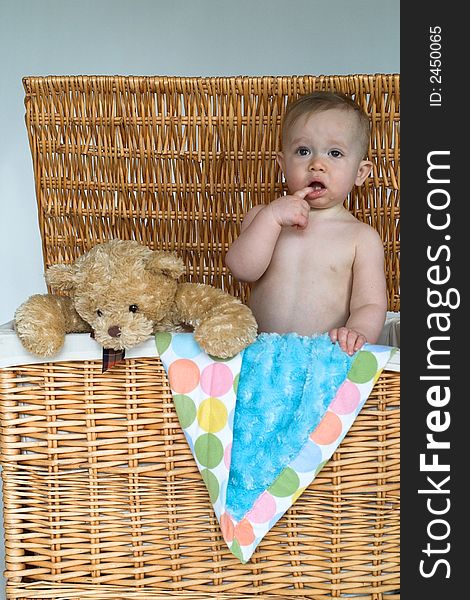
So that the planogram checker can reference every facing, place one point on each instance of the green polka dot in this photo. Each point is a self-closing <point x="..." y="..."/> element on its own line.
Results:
<point x="212" y="484"/>
<point x="185" y="409"/>
<point x="237" y="551"/>
<point x="286" y="484"/>
<point x="363" y="368"/>
<point x="235" y="383"/>
<point x="209" y="450"/>
<point x="163" y="340"/>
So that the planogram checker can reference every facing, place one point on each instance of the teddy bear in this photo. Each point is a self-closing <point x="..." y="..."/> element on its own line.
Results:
<point x="123" y="292"/>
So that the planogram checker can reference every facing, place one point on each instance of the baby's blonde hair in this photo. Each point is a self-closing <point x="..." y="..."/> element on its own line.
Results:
<point x="321" y="101"/>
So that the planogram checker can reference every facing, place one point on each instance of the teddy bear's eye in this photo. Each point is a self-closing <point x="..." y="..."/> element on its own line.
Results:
<point x="133" y="308"/>
<point x="99" y="313"/>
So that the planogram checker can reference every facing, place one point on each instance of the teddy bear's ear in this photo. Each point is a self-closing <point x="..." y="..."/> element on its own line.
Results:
<point x="167" y="263"/>
<point x="61" y="277"/>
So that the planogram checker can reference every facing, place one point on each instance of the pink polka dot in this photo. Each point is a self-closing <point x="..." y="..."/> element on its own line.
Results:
<point x="228" y="455"/>
<point x="216" y="379"/>
<point x="263" y="510"/>
<point x="244" y="533"/>
<point x="226" y="525"/>
<point x="347" y="399"/>
<point x="183" y="375"/>
<point x="328" y="429"/>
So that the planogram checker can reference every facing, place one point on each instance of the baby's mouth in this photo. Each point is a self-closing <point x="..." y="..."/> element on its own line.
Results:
<point x="317" y="188"/>
<point x="316" y="185"/>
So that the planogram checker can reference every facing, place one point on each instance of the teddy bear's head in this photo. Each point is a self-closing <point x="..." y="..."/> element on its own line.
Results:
<point x="121" y="288"/>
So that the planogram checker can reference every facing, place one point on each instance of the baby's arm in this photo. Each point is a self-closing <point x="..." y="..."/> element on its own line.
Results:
<point x="368" y="302"/>
<point x="250" y="254"/>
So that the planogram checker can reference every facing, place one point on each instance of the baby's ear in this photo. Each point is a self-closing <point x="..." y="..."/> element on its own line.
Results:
<point x="280" y="160"/>
<point x="62" y="277"/>
<point x="167" y="263"/>
<point x="363" y="172"/>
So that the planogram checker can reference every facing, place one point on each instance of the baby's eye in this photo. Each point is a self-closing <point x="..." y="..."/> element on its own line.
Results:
<point x="99" y="313"/>
<point x="303" y="151"/>
<point x="133" y="308"/>
<point x="335" y="153"/>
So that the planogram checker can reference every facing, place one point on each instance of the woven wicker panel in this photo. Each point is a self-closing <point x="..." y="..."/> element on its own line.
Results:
<point x="176" y="162"/>
<point x="100" y="489"/>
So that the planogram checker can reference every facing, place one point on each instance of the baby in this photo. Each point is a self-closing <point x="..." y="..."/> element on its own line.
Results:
<point x="313" y="265"/>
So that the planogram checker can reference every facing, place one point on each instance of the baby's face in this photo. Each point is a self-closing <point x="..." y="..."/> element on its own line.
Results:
<point x="322" y="151"/>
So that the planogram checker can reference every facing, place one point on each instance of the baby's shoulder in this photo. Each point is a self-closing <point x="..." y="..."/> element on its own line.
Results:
<point x="362" y="230"/>
<point x="367" y="241"/>
<point x="251" y="214"/>
<point x="369" y="233"/>
<point x="254" y="210"/>
<point x="360" y="235"/>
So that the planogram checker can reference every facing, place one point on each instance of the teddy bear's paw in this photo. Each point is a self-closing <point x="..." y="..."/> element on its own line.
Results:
<point x="37" y="340"/>
<point x="39" y="326"/>
<point x="40" y="346"/>
<point x="224" y="336"/>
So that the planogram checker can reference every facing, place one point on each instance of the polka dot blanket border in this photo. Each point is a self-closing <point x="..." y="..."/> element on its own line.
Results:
<point x="204" y="391"/>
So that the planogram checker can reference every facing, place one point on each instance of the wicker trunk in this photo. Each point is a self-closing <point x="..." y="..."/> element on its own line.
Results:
<point x="102" y="496"/>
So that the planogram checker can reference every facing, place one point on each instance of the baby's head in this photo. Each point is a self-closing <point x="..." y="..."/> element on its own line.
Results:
<point x="322" y="101"/>
<point x="325" y="140"/>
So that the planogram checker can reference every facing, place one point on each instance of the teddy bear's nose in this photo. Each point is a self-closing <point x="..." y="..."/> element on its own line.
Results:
<point x="114" y="331"/>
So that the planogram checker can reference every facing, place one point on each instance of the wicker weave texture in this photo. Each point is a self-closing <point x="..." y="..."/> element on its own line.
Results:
<point x="176" y="162"/>
<point x="100" y="488"/>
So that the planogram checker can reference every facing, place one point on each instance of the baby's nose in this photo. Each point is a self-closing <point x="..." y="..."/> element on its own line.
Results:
<point x="316" y="163"/>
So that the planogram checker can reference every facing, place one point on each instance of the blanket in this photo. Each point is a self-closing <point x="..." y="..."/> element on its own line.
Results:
<point x="263" y="423"/>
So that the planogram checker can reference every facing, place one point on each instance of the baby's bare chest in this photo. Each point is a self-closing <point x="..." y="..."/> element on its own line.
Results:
<point x="329" y="253"/>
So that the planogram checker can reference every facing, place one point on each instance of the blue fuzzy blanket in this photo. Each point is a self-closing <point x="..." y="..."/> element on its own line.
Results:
<point x="286" y="384"/>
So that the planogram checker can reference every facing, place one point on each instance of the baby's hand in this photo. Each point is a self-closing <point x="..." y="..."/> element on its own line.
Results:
<point x="292" y="210"/>
<point x="350" y="341"/>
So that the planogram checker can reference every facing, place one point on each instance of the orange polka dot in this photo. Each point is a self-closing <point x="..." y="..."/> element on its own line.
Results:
<point x="244" y="533"/>
<point x="183" y="375"/>
<point x="328" y="430"/>
<point x="226" y="525"/>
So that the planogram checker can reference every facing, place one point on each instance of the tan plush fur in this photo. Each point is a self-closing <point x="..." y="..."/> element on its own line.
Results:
<point x="125" y="292"/>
